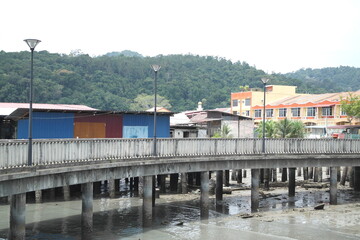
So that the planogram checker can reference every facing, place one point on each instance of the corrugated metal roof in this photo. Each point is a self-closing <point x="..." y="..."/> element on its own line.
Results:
<point x="47" y="106"/>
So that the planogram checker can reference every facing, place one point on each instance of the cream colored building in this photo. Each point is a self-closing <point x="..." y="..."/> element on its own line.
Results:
<point x="283" y="102"/>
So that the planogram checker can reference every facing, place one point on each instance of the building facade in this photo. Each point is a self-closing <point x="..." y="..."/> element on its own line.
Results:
<point x="283" y="102"/>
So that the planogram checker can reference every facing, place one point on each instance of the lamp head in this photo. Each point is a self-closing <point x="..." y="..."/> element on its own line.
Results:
<point x="32" y="43"/>
<point x="264" y="80"/>
<point x="155" y="67"/>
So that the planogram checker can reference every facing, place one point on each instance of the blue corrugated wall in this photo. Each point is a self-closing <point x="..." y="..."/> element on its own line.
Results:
<point x="48" y="125"/>
<point x="162" y="124"/>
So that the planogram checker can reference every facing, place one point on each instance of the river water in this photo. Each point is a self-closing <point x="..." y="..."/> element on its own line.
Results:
<point x="177" y="216"/>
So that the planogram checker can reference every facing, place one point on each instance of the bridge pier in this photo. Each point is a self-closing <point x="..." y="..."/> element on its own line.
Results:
<point x="255" y="183"/>
<point x="147" y="200"/>
<point x="38" y="196"/>
<point x="66" y="192"/>
<point x="356" y="178"/>
<point x="204" y="197"/>
<point x="17" y="217"/>
<point x="87" y="210"/>
<point x="292" y="182"/>
<point x="183" y="179"/>
<point x="111" y="188"/>
<point x="333" y="185"/>
<point x="219" y="187"/>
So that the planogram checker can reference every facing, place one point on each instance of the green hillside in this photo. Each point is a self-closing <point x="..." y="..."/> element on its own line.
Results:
<point x="112" y="82"/>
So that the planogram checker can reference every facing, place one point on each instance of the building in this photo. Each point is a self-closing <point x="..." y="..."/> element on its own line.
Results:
<point x="282" y="102"/>
<point x="242" y="103"/>
<point x="205" y="123"/>
<point x="79" y="121"/>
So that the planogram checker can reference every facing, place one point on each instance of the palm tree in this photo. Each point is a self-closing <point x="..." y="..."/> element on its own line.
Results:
<point x="290" y="129"/>
<point x="270" y="129"/>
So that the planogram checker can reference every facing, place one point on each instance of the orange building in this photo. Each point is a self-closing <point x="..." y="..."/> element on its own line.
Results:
<point x="282" y="102"/>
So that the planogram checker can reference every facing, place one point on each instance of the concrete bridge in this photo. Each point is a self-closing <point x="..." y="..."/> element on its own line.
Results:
<point x="65" y="162"/>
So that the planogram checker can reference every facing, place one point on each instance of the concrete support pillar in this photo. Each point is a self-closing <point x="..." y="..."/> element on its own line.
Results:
<point x="356" y="178"/>
<point x="239" y="176"/>
<point x="204" y="197"/>
<point x="87" y="209"/>
<point x="219" y="187"/>
<point x="17" y="217"/>
<point x="284" y="177"/>
<point x="66" y="192"/>
<point x="111" y="188"/>
<point x="292" y="182"/>
<point x="306" y="173"/>
<point x="298" y="172"/>
<point x="131" y="183"/>
<point x="274" y="174"/>
<point x="184" y="187"/>
<point x="227" y="178"/>
<point x="198" y="179"/>
<point x="174" y="182"/>
<point x="162" y="183"/>
<point x="333" y="185"/>
<point x="266" y="179"/>
<point x="255" y="183"/>
<point x="147" y="200"/>
<point x="38" y="196"/>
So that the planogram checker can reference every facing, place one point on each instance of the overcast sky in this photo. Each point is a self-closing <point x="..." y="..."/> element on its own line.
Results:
<point x="273" y="35"/>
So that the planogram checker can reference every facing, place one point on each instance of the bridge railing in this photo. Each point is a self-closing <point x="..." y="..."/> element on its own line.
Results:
<point x="13" y="153"/>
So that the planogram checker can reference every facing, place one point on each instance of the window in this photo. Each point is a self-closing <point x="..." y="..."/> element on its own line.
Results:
<point x="295" y="112"/>
<point x="310" y="111"/>
<point x="235" y="103"/>
<point x="247" y="113"/>
<point x="342" y="112"/>
<point x="258" y="113"/>
<point x="327" y="111"/>
<point x="269" y="113"/>
<point x="282" y="112"/>
<point x="247" y="102"/>
<point x="235" y="112"/>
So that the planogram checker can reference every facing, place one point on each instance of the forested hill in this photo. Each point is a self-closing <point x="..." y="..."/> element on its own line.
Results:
<point x="335" y="79"/>
<point x="112" y="82"/>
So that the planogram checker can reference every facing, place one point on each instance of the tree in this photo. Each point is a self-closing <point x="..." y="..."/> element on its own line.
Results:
<point x="270" y="129"/>
<point x="351" y="106"/>
<point x="224" y="132"/>
<point x="144" y="102"/>
<point x="290" y="129"/>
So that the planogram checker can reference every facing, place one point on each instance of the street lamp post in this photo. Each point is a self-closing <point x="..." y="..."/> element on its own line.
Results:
<point x="32" y="43"/>
<point x="266" y="171"/>
<point x="264" y="81"/>
<point x="156" y="68"/>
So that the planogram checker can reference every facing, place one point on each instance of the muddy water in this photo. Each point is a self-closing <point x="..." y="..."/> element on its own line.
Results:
<point x="178" y="217"/>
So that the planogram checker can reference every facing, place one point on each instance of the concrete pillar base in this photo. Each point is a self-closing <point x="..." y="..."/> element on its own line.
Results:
<point x="255" y="183"/>
<point x="204" y="197"/>
<point x="333" y="185"/>
<point x="87" y="209"/>
<point x="17" y="217"/>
